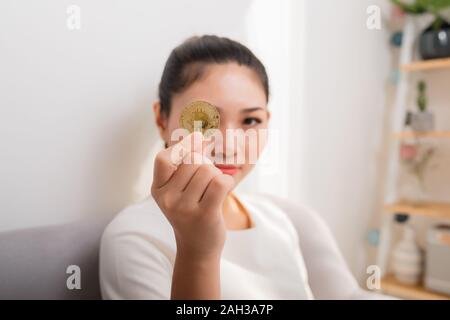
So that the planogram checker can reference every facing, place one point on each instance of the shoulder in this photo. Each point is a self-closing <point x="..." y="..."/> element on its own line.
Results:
<point x="269" y="210"/>
<point x="285" y="204"/>
<point x="283" y="212"/>
<point x="296" y="212"/>
<point x="275" y="207"/>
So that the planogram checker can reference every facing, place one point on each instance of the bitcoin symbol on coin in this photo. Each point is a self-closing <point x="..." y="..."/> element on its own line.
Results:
<point x="200" y="116"/>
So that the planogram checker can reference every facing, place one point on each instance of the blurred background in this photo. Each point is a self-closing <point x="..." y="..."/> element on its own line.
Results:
<point x="77" y="131"/>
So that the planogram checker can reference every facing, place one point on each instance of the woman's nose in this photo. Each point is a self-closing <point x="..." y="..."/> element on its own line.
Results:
<point x="230" y="143"/>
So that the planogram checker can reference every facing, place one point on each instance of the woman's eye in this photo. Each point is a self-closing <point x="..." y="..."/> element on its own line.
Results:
<point x="252" y="121"/>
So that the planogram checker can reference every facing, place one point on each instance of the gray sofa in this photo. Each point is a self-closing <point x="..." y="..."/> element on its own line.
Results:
<point x="33" y="262"/>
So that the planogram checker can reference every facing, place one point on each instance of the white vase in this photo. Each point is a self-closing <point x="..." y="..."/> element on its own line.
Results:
<point x="407" y="258"/>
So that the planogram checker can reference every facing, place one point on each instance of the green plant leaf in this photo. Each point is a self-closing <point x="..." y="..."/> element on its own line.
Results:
<point x="413" y="8"/>
<point x="434" y="6"/>
<point x="423" y="6"/>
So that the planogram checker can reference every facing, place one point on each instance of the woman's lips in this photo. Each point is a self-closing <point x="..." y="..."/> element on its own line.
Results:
<point x="227" y="169"/>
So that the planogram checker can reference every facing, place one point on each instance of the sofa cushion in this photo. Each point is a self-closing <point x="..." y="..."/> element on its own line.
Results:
<point x="34" y="262"/>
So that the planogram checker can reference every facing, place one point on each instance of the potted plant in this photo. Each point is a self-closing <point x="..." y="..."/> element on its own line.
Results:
<point x="422" y="119"/>
<point x="434" y="41"/>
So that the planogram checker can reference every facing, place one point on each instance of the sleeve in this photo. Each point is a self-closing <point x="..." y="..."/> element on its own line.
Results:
<point x="328" y="273"/>
<point x="133" y="266"/>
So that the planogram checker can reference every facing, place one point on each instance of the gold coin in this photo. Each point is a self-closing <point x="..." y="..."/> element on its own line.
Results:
<point x="200" y="116"/>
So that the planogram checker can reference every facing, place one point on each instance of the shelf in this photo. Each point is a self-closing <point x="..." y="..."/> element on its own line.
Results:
<point x="428" y="209"/>
<point x="390" y="286"/>
<point x="426" y="65"/>
<point x="425" y="134"/>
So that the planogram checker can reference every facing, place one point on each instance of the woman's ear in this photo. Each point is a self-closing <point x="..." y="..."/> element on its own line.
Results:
<point x="161" y="120"/>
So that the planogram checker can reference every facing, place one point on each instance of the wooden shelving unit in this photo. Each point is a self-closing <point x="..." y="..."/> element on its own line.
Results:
<point x="432" y="210"/>
<point x="429" y="209"/>
<point x="426" y="65"/>
<point x="421" y="135"/>
<point x="391" y="286"/>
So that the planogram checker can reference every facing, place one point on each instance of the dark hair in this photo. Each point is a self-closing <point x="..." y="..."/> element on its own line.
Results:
<point x="187" y="62"/>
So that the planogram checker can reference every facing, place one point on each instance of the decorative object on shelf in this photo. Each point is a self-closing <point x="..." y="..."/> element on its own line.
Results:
<point x="396" y="39"/>
<point x="416" y="159"/>
<point x="437" y="271"/>
<point x="401" y="217"/>
<point x="394" y="77"/>
<point x="416" y="154"/>
<point x="422" y="120"/>
<point x="407" y="258"/>
<point x="408" y="152"/>
<point x="434" y="42"/>
<point x="373" y="237"/>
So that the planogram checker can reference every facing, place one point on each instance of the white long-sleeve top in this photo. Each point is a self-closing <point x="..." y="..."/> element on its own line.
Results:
<point x="288" y="253"/>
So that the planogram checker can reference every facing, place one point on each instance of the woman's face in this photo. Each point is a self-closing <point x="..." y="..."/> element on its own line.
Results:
<point x="239" y="96"/>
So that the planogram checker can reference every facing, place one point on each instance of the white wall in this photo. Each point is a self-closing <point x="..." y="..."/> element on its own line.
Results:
<point x="341" y="114"/>
<point x="75" y="106"/>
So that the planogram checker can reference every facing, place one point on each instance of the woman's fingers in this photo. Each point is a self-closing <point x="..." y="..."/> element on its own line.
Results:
<point x="199" y="182"/>
<point x="167" y="161"/>
<point x="216" y="191"/>
<point x="185" y="171"/>
<point x="182" y="169"/>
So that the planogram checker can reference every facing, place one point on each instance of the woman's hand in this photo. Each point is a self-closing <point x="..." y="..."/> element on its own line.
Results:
<point x="190" y="191"/>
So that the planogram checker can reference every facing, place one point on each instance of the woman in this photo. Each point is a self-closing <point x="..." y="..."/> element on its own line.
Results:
<point x="194" y="238"/>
